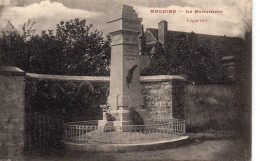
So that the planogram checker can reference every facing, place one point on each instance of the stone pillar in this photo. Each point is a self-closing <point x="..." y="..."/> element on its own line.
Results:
<point x="125" y="91"/>
<point x="12" y="113"/>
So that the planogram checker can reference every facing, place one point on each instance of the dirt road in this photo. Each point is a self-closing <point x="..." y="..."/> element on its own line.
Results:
<point x="229" y="150"/>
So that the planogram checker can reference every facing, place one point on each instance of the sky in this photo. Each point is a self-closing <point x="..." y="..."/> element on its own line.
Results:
<point x="234" y="21"/>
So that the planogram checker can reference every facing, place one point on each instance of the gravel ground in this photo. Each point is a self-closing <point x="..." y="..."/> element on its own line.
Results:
<point x="229" y="150"/>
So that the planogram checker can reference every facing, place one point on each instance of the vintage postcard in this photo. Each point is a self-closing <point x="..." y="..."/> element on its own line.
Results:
<point x="125" y="80"/>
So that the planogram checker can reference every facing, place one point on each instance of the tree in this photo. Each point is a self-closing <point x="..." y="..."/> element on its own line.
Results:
<point x="73" y="50"/>
<point x="187" y="57"/>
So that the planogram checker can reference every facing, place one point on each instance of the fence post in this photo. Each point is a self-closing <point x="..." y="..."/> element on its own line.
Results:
<point x="184" y="127"/>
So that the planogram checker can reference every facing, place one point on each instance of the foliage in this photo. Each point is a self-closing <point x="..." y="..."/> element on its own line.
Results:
<point x="73" y="50"/>
<point x="70" y="101"/>
<point x="188" y="57"/>
<point x="136" y="118"/>
<point x="109" y="116"/>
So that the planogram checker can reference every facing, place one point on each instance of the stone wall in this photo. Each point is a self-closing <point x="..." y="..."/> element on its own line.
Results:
<point x="163" y="96"/>
<point x="12" y="100"/>
<point x="210" y="107"/>
<point x="158" y="99"/>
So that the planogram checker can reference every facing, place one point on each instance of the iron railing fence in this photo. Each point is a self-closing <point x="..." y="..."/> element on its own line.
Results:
<point x="168" y="121"/>
<point x="43" y="132"/>
<point x="89" y="132"/>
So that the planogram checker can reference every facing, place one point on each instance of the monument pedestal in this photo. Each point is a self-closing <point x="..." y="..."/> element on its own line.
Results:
<point x="125" y="90"/>
<point x="107" y="126"/>
<point x="123" y="120"/>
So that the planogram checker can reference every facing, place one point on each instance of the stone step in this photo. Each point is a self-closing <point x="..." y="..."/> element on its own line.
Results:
<point x="121" y="115"/>
<point x="124" y="115"/>
<point x="145" y="116"/>
<point x="108" y="126"/>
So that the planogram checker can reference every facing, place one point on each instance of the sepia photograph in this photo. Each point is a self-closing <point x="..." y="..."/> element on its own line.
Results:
<point x="120" y="80"/>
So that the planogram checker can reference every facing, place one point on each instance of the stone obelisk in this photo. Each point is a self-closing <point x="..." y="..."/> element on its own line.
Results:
<point x="125" y="92"/>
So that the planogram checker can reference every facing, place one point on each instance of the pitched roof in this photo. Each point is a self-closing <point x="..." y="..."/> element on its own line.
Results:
<point x="220" y="44"/>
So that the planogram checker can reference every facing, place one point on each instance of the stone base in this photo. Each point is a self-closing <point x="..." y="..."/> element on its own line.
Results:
<point x="151" y="146"/>
<point x="121" y="115"/>
<point x="144" y="114"/>
<point x="122" y="126"/>
<point x="123" y="120"/>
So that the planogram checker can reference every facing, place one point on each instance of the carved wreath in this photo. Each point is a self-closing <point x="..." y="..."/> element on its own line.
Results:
<point x="130" y="75"/>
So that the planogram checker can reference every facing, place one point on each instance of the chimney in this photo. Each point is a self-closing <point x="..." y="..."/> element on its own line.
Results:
<point x="162" y="32"/>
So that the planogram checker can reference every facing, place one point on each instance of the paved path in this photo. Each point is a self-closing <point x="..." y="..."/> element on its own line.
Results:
<point x="209" y="150"/>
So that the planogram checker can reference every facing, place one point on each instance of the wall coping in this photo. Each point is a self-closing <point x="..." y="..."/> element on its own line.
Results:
<point x="68" y="78"/>
<point x="161" y="78"/>
<point x="11" y="71"/>
<point x="156" y="78"/>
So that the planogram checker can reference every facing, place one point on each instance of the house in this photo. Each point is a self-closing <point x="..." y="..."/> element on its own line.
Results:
<point x="229" y="48"/>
